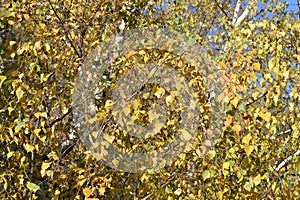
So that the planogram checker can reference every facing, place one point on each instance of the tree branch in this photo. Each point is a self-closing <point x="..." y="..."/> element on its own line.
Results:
<point x="241" y="18"/>
<point x="283" y="163"/>
<point x="238" y="20"/>
<point x="283" y="132"/>
<point x="60" y="118"/>
<point x="236" y="11"/>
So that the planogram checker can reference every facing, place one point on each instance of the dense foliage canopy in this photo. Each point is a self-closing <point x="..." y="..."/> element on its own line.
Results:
<point x="255" y="44"/>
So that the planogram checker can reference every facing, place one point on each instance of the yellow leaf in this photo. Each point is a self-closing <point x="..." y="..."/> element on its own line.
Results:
<point x="12" y="43"/>
<point x="266" y="116"/>
<point x="45" y="165"/>
<point x="226" y="165"/>
<point x="136" y="104"/>
<point x="109" y="138"/>
<point x="37" y="45"/>
<point x="255" y="95"/>
<point x="28" y="147"/>
<point x="256" y="66"/>
<point x="55" y="30"/>
<point x="247" y="139"/>
<point x="80" y="183"/>
<point x="235" y="101"/>
<point x="236" y="128"/>
<point x="108" y="104"/>
<point x="87" y="192"/>
<point x="169" y="99"/>
<point x="32" y="186"/>
<point x="10" y="109"/>
<point x="178" y="191"/>
<point x="47" y="47"/>
<point x="252" y="26"/>
<point x="115" y="162"/>
<point x="10" y="154"/>
<point x="146" y="58"/>
<point x="57" y="192"/>
<point x="131" y="53"/>
<point x="26" y="16"/>
<point x="126" y="110"/>
<point x="101" y="191"/>
<point x="257" y="179"/>
<point x="11" y="22"/>
<point x="211" y="154"/>
<point x="198" y="152"/>
<point x="248" y="149"/>
<point x="228" y="122"/>
<point x="2" y="79"/>
<point x="13" y="54"/>
<point x="159" y="92"/>
<point x="19" y="93"/>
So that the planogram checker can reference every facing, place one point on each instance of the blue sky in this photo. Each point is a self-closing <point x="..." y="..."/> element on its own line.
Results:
<point x="292" y="5"/>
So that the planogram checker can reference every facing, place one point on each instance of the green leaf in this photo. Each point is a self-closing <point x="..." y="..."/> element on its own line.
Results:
<point x="242" y="107"/>
<point x="168" y="190"/>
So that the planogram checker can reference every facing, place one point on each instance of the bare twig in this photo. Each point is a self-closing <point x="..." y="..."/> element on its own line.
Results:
<point x="221" y="8"/>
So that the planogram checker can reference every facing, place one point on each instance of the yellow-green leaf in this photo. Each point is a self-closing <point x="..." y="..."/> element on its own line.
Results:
<point x="159" y="92"/>
<point x="32" y="186"/>
<point x="206" y="175"/>
<point x="248" y="186"/>
<point x="19" y="93"/>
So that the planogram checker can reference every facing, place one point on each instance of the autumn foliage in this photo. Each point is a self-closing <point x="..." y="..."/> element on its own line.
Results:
<point x="254" y="44"/>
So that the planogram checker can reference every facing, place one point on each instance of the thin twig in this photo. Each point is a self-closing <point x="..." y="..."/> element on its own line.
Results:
<point x="66" y="32"/>
<point x="60" y="118"/>
<point x="221" y="8"/>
